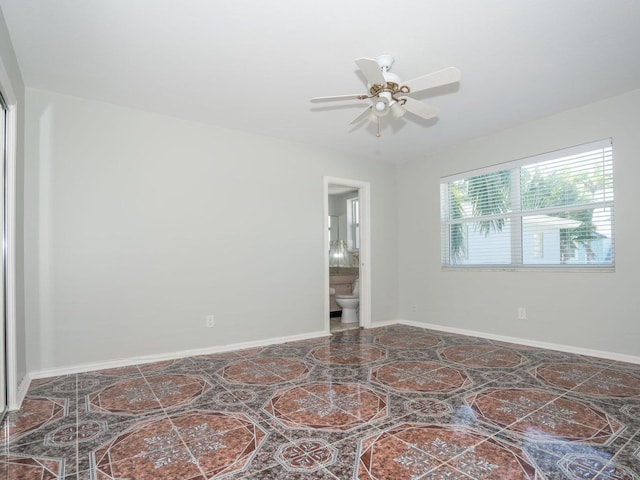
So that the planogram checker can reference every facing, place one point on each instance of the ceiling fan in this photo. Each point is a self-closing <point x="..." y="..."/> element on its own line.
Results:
<point x="389" y="94"/>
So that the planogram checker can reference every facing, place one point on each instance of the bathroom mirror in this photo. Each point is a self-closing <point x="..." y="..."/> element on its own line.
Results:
<point x="338" y="202"/>
<point x="344" y="225"/>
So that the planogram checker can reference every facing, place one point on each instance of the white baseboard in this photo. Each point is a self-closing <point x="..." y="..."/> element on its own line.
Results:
<point x="127" y="362"/>
<point x="21" y="393"/>
<point x="621" y="357"/>
<point x="386" y="323"/>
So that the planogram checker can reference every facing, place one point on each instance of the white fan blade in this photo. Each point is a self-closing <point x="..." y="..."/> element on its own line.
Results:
<point x="362" y="115"/>
<point x="418" y="108"/>
<point x="338" y="97"/>
<point x="432" y="80"/>
<point x="371" y="70"/>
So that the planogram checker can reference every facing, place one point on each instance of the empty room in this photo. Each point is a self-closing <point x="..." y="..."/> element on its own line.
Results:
<point x="320" y="240"/>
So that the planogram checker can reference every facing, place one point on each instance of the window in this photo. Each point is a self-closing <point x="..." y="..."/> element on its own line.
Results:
<point x="353" y="218"/>
<point x="551" y="210"/>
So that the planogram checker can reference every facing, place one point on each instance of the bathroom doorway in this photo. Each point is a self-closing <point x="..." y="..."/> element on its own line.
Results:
<point x="347" y="254"/>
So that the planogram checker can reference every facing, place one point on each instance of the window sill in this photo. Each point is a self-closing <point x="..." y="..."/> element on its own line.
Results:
<point x="530" y="268"/>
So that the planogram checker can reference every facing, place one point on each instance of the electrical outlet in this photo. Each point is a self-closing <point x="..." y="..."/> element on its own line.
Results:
<point x="414" y="308"/>
<point x="522" y="313"/>
<point x="210" y="321"/>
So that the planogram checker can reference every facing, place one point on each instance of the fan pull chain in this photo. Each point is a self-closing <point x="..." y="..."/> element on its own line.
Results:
<point x="378" y="134"/>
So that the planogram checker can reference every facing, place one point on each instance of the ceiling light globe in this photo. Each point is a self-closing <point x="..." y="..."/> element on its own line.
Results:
<point x="397" y="110"/>
<point x="380" y="107"/>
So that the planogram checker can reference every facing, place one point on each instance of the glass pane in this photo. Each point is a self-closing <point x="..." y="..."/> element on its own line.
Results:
<point x="475" y="244"/>
<point x="479" y="196"/>
<point x="580" y="237"/>
<point x="569" y="180"/>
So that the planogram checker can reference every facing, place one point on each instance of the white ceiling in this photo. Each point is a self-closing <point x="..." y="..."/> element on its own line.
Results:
<point x="253" y="65"/>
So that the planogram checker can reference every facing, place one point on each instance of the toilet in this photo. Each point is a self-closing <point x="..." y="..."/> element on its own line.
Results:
<point x="349" y="304"/>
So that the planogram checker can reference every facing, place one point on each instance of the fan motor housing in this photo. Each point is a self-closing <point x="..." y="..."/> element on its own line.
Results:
<point x="390" y="87"/>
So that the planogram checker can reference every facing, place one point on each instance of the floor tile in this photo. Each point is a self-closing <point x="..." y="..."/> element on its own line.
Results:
<point x="395" y="402"/>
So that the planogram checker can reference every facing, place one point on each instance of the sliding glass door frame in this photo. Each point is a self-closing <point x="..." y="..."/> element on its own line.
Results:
<point x="4" y="118"/>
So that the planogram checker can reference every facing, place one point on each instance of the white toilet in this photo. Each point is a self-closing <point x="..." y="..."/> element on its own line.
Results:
<point x="349" y="304"/>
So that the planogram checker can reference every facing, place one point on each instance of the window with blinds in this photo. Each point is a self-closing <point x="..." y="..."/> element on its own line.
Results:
<point x="550" y="210"/>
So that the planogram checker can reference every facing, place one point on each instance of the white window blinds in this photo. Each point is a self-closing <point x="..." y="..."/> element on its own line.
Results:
<point x="550" y="210"/>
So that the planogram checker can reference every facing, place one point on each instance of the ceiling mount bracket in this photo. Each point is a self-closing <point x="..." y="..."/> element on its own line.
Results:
<point x="385" y="61"/>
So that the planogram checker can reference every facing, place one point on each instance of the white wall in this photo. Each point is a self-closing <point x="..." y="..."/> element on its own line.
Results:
<point x="140" y="225"/>
<point x="585" y="310"/>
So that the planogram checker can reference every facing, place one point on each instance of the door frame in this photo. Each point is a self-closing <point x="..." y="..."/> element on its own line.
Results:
<point x="13" y="400"/>
<point x="364" y="194"/>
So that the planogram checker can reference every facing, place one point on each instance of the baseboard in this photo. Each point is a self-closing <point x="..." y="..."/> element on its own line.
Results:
<point x="620" y="357"/>
<point x="21" y="393"/>
<point x="385" y="323"/>
<point x="127" y="362"/>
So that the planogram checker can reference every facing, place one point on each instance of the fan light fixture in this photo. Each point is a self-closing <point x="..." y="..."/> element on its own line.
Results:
<point x="338" y="254"/>
<point x="389" y="94"/>
<point x="381" y="106"/>
<point x="396" y="110"/>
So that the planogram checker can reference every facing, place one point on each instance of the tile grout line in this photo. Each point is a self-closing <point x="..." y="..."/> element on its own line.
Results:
<point x="173" y="425"/>
<point x="77" y="442"/>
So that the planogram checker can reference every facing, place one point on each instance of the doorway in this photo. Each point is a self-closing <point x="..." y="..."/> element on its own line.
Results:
<point x="346" y="250"/>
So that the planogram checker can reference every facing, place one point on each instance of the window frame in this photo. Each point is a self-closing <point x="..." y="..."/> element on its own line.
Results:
<point x="516" y="214"/>
<point x="353" y="223"/>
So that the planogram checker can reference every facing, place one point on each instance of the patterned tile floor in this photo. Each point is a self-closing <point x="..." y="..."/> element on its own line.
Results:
<point x="388" y="403"/>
